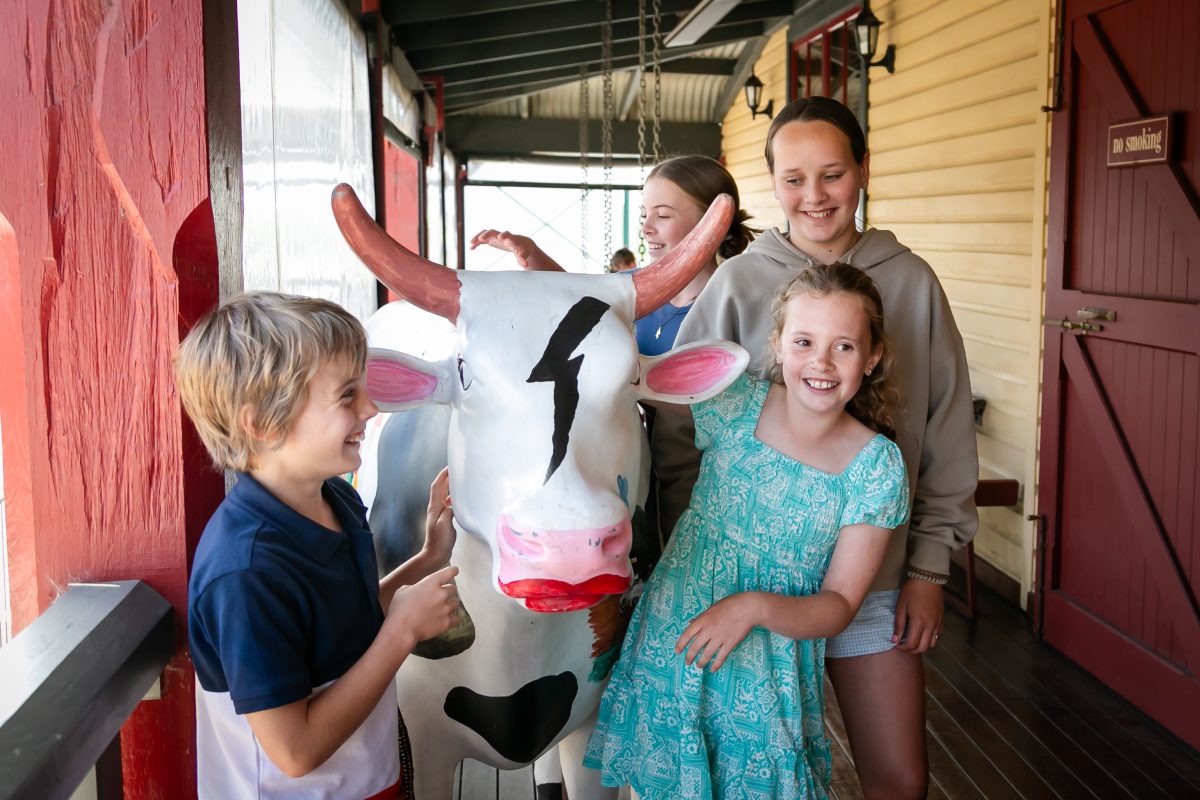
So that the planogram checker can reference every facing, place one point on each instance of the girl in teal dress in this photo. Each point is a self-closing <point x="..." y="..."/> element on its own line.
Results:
<point x="718" y="692"/>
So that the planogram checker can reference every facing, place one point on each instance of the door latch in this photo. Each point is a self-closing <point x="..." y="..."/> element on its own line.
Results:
<point x="1066" y="324"/>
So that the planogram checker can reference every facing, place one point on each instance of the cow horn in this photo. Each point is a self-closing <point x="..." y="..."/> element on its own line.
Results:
<point x="665" y="278"/>
<point x="423" y="283"/>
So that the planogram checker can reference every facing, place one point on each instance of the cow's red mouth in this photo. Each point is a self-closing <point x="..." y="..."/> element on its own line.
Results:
<point x="556" y="596"/>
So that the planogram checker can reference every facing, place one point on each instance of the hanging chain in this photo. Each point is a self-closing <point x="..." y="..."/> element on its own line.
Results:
<point x="641" y="116"/>
<point x="584" y="113"/>
<point x="606" y="66"/>
<point x="642" y="88"/>
<point x="657" y="81"/>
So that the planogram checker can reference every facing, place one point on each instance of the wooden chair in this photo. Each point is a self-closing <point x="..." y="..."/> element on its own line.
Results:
<point x="988" y="492"/>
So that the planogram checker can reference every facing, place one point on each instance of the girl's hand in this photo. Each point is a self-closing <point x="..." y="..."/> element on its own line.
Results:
<point x="439" y="521"/>
<point x="713" y="635"/>
<point x="529" y="256"/>
<point x="520" y="246"/>
<point x="919" y="612"/>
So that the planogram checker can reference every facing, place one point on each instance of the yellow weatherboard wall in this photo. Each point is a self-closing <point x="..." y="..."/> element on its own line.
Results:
<point x="958" y="152"/>
<point x="958" y="172"/>
<point x="742" y="138"/>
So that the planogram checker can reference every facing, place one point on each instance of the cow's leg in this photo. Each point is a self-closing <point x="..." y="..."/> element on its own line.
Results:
<point x="435" y="751"/>
<point x="433" y="770"/>
<point x="547" y="775"/>
<point x="582" y="783"/>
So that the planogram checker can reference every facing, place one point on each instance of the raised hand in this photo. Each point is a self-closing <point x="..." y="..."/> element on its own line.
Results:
<point x="528" y="254"/>
<point x="522" y="247"/>
<point x="439" y="521"/>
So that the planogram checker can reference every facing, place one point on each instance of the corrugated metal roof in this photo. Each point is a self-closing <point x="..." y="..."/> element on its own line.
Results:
<point x="686" y="97"/>
<point x="508" y="72"/>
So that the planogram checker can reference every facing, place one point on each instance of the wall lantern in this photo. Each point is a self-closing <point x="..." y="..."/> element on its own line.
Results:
<point x="866" y="33"/>
<point x="754" y="89"/>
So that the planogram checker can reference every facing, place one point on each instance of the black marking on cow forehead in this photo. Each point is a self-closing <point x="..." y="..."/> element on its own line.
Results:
<point x="523" y="724"/>
<point x="557" y="367"/>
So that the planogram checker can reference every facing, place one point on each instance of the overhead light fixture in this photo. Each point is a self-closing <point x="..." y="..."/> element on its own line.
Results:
<point x="698" y="22"/>
<point x="754" y="89"/>
<point x="866" y="34"/>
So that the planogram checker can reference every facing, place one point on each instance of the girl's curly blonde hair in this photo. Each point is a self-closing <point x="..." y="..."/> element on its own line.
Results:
<point x="876" y="400"/>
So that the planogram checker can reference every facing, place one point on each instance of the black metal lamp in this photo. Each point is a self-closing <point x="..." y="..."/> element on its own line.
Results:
<point x="754" y="89"/>
<point x="866" y="33"/>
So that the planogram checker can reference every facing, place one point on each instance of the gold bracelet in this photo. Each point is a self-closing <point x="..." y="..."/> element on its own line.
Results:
<point x="936" y="578"/>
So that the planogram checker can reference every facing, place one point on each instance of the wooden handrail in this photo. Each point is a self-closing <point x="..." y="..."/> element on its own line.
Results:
<point x="72" y="678"/>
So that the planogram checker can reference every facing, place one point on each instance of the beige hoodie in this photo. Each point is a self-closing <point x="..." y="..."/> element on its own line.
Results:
<point x="935" y="430"/>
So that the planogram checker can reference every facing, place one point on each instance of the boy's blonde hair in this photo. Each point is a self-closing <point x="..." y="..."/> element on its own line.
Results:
<point x="259" y="351"/>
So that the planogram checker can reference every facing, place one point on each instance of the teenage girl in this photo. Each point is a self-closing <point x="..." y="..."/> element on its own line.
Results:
<point x="677" y="193"/>
<point x="718" y="689"/>
<point x="817" y="157"/>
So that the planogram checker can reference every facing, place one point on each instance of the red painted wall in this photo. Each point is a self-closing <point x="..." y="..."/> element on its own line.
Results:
<point x="105" y="159"/>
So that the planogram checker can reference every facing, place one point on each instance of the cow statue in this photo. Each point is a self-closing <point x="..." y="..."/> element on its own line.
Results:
<point x="548" y="467"/>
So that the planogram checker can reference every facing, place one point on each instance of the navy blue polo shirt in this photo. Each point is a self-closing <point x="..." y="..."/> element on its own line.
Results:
<point x="277" y="604"/>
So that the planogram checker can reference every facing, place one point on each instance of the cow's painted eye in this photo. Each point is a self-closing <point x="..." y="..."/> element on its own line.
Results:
<point x="464" y="374"/>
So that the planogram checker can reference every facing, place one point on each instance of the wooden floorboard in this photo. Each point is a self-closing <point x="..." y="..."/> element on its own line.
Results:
<point x="946" y="778"/>
<point x="1042" y="731"/>
<point x="989" y="737"/>
<point x="1075" y="720"/>
<point x="948" y="719"/>
<point x="1140" y="756"/>
<point x="1008" y="717"/>
<point x="844" y="783"/>
<point x="1046" y="776"/>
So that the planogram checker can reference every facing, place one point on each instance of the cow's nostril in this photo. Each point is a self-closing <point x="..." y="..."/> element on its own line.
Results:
<point x="615" y="545"/>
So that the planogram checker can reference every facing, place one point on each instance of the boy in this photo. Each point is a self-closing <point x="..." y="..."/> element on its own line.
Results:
<point x="294" y="654"/>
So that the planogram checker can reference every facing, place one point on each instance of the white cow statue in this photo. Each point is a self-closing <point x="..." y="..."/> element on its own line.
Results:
<point x="548" y="468"/>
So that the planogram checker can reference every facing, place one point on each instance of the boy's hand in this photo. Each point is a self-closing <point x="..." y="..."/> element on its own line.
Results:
<point x="425" y="609"/>
<point x="712" y="636"/>
<point x="439" y="521"/>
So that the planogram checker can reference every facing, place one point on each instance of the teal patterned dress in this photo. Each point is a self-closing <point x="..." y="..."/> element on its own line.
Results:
<point x="758" y="521"/>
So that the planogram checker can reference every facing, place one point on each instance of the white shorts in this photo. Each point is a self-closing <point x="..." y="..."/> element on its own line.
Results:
<point x="871" y="630"/>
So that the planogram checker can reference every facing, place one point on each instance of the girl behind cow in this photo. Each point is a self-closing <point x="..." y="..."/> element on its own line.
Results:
<point x="817" y="156"/>
<point x="718" y="690"/>
<point x="677" y="193"/>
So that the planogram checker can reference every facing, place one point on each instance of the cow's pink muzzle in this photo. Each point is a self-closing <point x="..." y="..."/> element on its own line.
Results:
<point x="555" y="570"/>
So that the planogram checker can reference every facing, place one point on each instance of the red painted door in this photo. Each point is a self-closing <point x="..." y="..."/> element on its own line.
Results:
<point x="402" y="197"/>
<point x="1120" y="483"/>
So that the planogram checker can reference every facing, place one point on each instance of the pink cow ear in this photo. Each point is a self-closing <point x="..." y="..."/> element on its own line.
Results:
<point x="398" y="382"/>
<point x="693" y="372"/>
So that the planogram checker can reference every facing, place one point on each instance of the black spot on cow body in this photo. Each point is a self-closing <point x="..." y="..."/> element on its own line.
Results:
<point x="556" y="366"/>
<point x="522" y="725"/>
